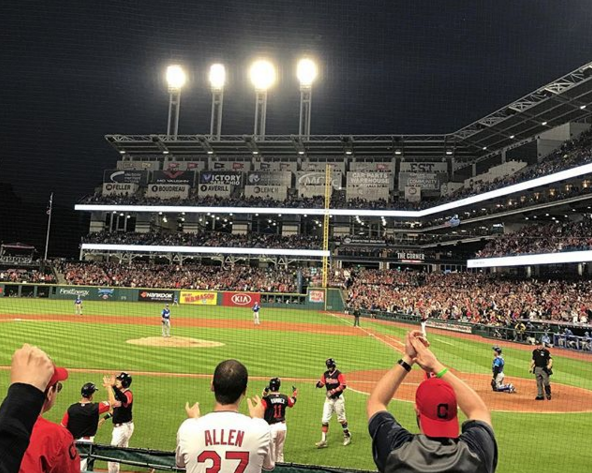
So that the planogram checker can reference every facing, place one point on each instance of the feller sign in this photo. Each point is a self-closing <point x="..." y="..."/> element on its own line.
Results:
<point x="240" y="299"/>
<point x="199" y="297"/>
<point x="119" y="189"/>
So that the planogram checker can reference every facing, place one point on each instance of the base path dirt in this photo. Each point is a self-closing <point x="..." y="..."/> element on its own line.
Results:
<point x="565" y="398"/>
<point x="174" y="342"/>
<point x="201" y="323"/>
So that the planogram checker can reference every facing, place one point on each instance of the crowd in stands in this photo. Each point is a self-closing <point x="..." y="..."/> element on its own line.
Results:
<point x="21" y="275"/>
<point x="471" y="297"/>
<point x="549" y="238"/>
<point x="572" y="153"/>
<point x="171" y="276"/>
<point x="210" y="239"/>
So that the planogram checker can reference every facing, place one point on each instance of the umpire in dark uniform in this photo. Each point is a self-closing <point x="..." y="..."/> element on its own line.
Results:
<point x="541" y="365"/>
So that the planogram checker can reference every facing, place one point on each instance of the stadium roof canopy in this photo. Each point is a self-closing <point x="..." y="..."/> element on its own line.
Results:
<point x="564" y="100"/>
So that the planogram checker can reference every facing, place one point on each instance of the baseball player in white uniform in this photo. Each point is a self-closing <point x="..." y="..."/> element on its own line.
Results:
<point x="122" y="400"/>
<point x="224" y="439"/>
<point x="334" y="381"/>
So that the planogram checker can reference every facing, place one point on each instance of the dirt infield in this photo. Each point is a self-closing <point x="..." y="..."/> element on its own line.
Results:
<point x="565" y="398"/>
<point x="200" y="323"/>
<point x="174" y="342"/>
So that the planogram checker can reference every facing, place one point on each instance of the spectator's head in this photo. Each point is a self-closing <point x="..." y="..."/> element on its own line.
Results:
<point x="436" y="408"/>
<point x="54" y="387"/>
<point x="230" y="382"/>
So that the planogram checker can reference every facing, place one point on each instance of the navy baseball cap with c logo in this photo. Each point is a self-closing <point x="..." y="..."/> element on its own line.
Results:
<point x="436" y="402"/>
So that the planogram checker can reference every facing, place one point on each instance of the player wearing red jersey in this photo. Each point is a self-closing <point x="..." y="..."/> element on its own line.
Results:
<point x="334" y="381"/>
<point x="275" y="415"/>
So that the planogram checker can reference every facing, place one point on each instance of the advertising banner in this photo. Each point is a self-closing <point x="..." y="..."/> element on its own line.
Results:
<point x="167" y="191"/>
<point x="367" y="193"/>
<point x="407" y="166"/>
<point x="372" y="166"/>
<point x="271" y="192"/>
<point x="90" y="293"/>
<point x="126" y="177"/>
<point x="73" y="292"/>
<point x="275" y="178"/>
<point x="185" y="166"/>
<point x="316" y="296"/>
<point x="240" y="299"/>
<point x="138" y="165"/>
<point x="199" y="297"/>
<point x="155" y="296"/>
<point x="374" y="179"/>
<point x="119" y="189"/>
<point x="173" y="177"/>
<point x="229" y="178"/>
<point x="214" y="190"/>
<point x="276" y="166"/>
<point x="231" y="165"/>
<point x="412" y="194"/>
<point x="427" y="182"/>
<point x="320" y="166"/>
<point x="307" y="179"/>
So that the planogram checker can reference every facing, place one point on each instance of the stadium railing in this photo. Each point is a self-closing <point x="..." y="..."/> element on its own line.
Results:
<point x="165" y="461"/>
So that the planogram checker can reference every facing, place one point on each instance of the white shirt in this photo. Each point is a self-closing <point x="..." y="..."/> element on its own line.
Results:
<point x="227" y="441"/>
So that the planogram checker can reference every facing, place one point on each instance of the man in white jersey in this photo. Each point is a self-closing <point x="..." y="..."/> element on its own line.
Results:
<point x="224" y="439"/>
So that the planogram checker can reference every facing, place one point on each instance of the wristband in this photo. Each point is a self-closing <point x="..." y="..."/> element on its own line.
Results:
<point x="404" y="365"/>
<point x="107" y="416"/>
<point x="442" y="373"/>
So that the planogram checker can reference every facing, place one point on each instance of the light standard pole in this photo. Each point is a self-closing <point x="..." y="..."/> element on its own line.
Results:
<point x="175" y="77"/>
<point x="263" y="77"/>
<point x="306" y="72"/>
<point x="217" y="82"/>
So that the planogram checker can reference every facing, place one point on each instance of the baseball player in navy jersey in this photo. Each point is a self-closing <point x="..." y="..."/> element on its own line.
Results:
<point x="175" y="300"/>
<point x="122" y="400"/>
<point x="166" y="321"/>
<point x="275" y="415"/>
<point x="497" y="383"/>
<point x="334" y="381"/>
<point x="78" y="305"/>
<point x="256" y="309"/>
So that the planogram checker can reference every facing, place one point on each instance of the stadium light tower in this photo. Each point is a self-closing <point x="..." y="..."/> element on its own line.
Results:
<point x="175" y="77"/>
<point x="306" y="71"/>
<point x="217" y="83"/>
<point x="263" y="77"/>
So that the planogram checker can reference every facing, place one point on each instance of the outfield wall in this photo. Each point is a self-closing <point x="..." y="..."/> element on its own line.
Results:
<point x="314" y="299"/>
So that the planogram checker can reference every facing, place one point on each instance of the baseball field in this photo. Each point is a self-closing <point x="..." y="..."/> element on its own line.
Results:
<point x="292" y="344"/>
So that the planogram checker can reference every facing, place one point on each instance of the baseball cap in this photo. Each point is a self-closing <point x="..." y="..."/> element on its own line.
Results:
<point x="59" y="374"/>
<point x="436" y="402"/>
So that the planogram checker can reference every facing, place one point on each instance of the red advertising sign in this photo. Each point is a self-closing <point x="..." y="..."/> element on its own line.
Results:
<point x="240" y="299"/>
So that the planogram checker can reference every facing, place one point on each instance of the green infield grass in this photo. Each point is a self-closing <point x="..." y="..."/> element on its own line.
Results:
<point x="293" y="345"/>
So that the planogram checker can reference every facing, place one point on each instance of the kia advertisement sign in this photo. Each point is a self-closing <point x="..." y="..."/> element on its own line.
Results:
<point x="240" y="299"/>
<point x="155" y="296"/>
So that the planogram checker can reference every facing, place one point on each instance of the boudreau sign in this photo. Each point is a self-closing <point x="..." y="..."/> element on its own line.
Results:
<point x="168" y="191"/>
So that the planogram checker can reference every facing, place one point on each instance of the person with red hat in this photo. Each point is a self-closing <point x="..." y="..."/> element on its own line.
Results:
<point x="440" y="447"/>
<point x="52" y="447"/>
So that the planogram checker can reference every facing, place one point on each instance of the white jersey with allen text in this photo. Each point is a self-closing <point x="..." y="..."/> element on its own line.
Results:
<point x="226" y="442"/>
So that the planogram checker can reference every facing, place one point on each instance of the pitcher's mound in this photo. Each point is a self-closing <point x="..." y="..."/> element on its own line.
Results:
<point x="175" y="342"/>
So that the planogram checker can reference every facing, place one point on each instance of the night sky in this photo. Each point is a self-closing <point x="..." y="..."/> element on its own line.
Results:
<point x="74" y="71"/>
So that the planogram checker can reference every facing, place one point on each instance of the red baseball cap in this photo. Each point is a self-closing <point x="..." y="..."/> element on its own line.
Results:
<point x="59" y="374"/>
<point x="436" y="403"/>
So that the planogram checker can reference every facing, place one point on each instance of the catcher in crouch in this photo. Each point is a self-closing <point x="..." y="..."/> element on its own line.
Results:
<point x="497" y="383"/>
<point x="334" y="381"/>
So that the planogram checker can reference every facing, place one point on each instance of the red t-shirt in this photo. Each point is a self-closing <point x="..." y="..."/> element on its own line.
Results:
<point x="51" y="450"/>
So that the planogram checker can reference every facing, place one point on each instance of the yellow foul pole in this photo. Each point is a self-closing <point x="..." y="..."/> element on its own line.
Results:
<point x="328" y="190"/>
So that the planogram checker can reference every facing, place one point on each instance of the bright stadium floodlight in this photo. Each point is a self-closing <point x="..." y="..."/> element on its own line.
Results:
<point x="217" y="82"/>
<point x="176" y="78"/>
<point x="307" y="72"/>
<point x="262" y="75"/>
